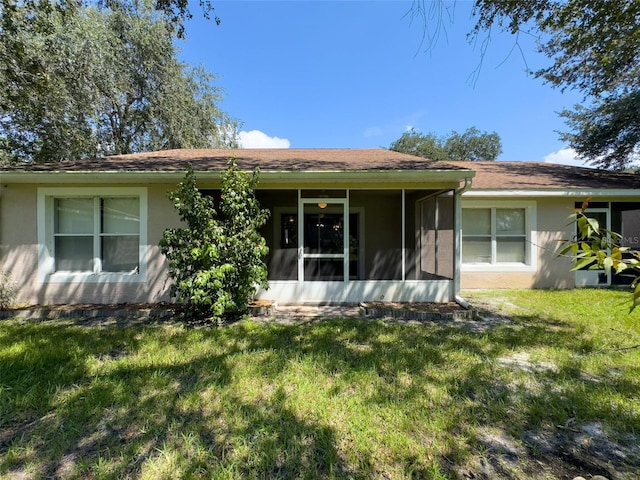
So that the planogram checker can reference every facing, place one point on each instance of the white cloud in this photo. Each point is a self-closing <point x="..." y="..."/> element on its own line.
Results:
<point x="565" y="156"/>
<point x="258" y="139"/>
<point x="373" y="132"/>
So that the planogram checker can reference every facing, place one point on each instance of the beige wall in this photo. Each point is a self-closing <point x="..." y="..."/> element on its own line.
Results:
<point x="19" y="250"/>
<point x="19" y="247"/>
<point x="552" y="271"/>
<point x="18" y="238"/>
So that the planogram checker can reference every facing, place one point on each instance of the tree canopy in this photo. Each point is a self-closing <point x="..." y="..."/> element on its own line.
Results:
<point x="84" y="81"/>
<point x="175" y="12"/>
<point x="594" y="48"/>
<point x="470" y="145"/>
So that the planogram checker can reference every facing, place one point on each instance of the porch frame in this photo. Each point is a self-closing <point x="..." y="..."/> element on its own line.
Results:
<point x="349" y="291"/>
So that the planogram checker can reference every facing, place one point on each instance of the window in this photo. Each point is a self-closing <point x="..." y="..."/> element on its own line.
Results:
<point x="92" y="234"/>
<point x="497" y="236"/>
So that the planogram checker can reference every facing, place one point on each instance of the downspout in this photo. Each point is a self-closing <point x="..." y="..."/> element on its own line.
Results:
<point x="458" y="243"/>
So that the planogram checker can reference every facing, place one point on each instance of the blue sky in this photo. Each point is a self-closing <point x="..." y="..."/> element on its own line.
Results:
<point x="357" y="74"/>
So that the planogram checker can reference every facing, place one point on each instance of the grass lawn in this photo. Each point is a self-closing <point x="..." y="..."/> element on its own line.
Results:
<point x="549" y="388"/>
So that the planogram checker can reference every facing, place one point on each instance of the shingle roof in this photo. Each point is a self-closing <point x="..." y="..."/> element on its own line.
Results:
<point x="267" y="159"/>
<point x="496" y="175"/>
<point x="543" y="176"/>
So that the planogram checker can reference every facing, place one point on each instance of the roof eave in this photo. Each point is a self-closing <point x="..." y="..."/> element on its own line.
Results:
<point x="553" y="192"/>
<point x="267" y="178"/>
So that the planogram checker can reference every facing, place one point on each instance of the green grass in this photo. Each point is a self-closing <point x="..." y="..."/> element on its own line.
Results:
<point x="334" y="399"/>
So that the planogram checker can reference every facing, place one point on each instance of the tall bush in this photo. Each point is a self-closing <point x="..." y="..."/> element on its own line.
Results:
<point x="216" y="260"/>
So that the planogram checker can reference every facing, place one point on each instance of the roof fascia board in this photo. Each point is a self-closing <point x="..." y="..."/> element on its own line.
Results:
<point x="266" y="177"/>
<point x="604" y="192"/>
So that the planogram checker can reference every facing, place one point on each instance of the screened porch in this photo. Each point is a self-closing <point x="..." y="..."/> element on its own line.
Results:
<point x="345" y="246"/>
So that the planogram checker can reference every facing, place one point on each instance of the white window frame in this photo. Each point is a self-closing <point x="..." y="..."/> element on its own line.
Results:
<point x="530" y="263"/>
<point x="46" y="253"/>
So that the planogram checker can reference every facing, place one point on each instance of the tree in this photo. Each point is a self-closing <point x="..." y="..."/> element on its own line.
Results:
<point x="473" y="145"/>
<point x="92" y="82"/>
<point x="608" y="132"/>
<point x="415" y="143"/>
<point x="216" y="260"/>
<point x="470" y="145"/>
<point x="594" y="46"/>
<point x="176" y="12"/>
<point x="595" y="247"/>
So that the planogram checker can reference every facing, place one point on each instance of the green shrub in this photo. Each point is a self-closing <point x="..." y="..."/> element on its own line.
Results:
<point x="217" y="260"/>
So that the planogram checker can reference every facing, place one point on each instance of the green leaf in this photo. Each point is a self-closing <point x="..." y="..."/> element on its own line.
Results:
<point x="583" y="263"/>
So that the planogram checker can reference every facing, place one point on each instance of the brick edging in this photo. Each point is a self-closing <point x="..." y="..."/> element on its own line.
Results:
<point x="377" y="312"/>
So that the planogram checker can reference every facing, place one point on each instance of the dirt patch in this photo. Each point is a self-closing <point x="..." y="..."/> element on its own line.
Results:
<point x="522" y="361"/>
<point x="586" y="450"/>
<point x="563" y="452"/>
<point x="88" y="310"/>
<point x="94" y="307"/>
<point x="111" y="314"/>
<point x="136" y="313"/>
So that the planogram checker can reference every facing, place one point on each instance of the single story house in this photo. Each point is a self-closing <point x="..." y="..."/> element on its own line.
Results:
<point x="516" y="216"/>
<point x="346" y="225"/>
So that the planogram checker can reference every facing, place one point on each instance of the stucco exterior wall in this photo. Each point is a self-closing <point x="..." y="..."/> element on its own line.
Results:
<point x="19" y="253"/>
<point x="19" y="239"/>
<point x="552" y="272"/>
<point x="382" y="232"/>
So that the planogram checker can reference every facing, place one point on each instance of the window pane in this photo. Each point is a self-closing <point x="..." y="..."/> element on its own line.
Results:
<point x="476" y="221"/>
<point x="354" y="246"/>
<point x="323" y="233"/>
<point x="476" y="250"/>
<point x="630" y="228"/>
<point x="510" y="221"/>
<point x="73" y="215"/>
<point x="510" y="250"/>
<point x="120" y="254"/>
<point x="74" y="254"/>
<point x="120" y="215"/>
<point x="289" y="230"/>
<point x="326" y="269"/>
